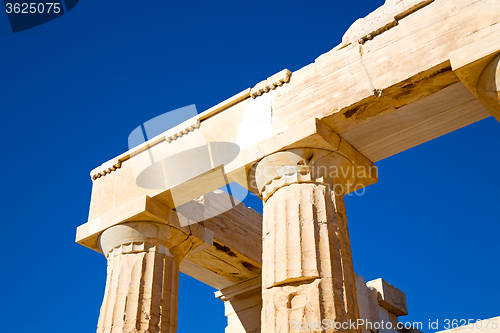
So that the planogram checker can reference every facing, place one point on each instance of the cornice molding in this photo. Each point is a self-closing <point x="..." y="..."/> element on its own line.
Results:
<point x="111" y="166"/>
<point x="274" y="81"/>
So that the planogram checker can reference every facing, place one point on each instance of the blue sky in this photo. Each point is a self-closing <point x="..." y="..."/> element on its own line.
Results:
<point x="72" y="90"/>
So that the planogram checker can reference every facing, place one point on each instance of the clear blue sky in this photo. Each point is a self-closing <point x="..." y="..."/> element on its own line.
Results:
<point x="72" y="90"/>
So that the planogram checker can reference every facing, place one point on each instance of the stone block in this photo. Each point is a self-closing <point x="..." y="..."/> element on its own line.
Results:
<point x="389" y="297"/>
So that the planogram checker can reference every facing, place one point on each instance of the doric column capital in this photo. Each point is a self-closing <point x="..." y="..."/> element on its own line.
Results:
<point x="132" y="237"/>
<point x="488" y="87"/>
<point x="302" y="165"/>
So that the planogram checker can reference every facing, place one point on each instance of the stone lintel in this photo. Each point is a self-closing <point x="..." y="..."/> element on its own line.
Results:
<point x="115" y="163"/>
<point x="389" y="297"/>
<point x="108" y="191"/>
<point x="350" y="85"/>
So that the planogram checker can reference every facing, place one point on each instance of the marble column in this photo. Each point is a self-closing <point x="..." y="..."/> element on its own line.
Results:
<point x="308" y="281"/>
<point x="143" y="277"/>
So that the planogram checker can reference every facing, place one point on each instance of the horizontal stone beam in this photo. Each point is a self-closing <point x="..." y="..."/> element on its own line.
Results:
<point x="120" y="187"/>
<point x="381" y="91"/>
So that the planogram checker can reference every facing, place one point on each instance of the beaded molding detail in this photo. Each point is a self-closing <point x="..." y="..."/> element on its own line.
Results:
<point x="136" y="247"/>
<point x="277" y="80"/>
<point x="112" y="166"/>
<point x="184" y="132"/>
<point x="105" y="170"/>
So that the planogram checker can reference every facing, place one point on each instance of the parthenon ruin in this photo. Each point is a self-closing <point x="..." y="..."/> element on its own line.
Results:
<point x="409" y="72"/>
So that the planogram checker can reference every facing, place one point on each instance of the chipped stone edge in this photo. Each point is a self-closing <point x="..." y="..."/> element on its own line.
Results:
<point x="394" y="23"/>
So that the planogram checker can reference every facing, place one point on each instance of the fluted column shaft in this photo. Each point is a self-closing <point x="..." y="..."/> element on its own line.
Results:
<point x="143" y="278"/>
<point x="307" y="265"/>
<point x="308" y="277"/>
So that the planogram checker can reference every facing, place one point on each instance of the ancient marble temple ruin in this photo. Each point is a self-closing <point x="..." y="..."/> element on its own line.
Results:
<point x="409" y="72"/>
